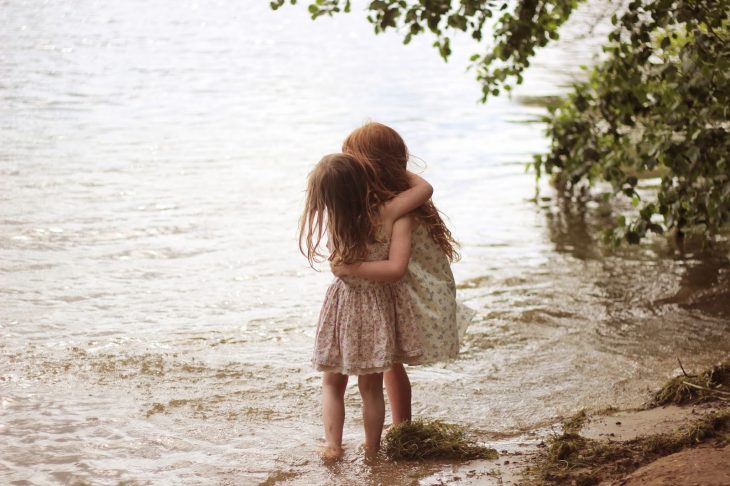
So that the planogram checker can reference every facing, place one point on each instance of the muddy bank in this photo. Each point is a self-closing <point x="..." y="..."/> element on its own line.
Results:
<point x="705" y="465"/>
<point x="625" y="446"/>
<point x="680" y="436"/>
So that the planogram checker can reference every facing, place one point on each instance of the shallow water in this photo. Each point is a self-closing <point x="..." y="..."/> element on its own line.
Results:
<point x="157" y="318"/>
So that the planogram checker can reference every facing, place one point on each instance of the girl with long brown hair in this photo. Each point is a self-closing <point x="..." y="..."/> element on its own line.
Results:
<point x="365" y="325"/>
<point x="442" y="321"/>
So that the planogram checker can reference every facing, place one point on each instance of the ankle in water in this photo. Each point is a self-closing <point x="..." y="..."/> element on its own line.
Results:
<point x="330" y="453"/>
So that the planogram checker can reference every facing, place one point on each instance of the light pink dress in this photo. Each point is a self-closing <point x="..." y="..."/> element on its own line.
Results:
<point x="366" y="326"/>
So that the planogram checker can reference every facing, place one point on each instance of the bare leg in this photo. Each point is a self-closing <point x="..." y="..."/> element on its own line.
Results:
<point x="373" y="408"/>
<point x="398" y="387"/>
<point x="333" y="412"/>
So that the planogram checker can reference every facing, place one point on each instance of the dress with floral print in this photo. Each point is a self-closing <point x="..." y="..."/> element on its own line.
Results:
<point x="442" y="321"/>
<point x="366" y="326"/>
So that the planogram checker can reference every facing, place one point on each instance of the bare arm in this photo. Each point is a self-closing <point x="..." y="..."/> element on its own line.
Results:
<point x="390" y="270"/>
<point x="408" y="200"/>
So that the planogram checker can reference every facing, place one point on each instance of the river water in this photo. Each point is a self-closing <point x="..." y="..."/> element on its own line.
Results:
<point x="157" y="318"/>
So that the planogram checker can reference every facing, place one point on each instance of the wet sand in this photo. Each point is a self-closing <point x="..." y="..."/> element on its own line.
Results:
<point x="707" y="464"/>
<point x="703" y="466"/>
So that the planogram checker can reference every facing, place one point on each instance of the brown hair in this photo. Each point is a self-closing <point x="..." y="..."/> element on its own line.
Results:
<point x="385" y="153"/>
<point x="340" y="203"/>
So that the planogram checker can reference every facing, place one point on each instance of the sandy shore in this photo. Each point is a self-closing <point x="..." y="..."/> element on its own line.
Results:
<point x="707" y="464"/>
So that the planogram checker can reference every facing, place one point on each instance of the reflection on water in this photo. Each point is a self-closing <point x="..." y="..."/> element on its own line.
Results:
<point x="572" y="229"/>
<point x="157" y="319"/>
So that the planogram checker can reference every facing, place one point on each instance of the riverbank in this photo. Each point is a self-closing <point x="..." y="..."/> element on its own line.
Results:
<point x="681" y="436"/>
<point x="623" y="446"/>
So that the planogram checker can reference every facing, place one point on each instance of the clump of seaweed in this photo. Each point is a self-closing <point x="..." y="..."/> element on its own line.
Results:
<point x="710" y="385"/>
<point x="576" y="422"/>
<point x="572" y="458"/>
<point x="433" y="439"/>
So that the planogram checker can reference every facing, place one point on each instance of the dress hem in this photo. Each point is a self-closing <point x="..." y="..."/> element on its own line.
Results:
<point x="366" y="370"/>
<point x="432" y="360"/>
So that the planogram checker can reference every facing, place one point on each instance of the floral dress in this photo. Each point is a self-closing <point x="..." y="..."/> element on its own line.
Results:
<point x="366" y="326"/>
<point x="442" y="321"/>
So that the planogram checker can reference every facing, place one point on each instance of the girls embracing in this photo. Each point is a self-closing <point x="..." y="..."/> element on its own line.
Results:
<point x="393" y="299"/>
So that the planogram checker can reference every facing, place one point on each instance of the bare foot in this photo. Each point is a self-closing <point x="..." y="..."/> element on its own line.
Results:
<point x="330" y="453"/>
<point x="370" y="451"/>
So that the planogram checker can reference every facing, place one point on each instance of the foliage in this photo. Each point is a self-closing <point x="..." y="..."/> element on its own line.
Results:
<point x="516" y="32"/>
<point x="658" y="105"/>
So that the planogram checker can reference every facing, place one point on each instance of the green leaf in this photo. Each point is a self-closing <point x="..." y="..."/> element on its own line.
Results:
<point x="656" y="105"/>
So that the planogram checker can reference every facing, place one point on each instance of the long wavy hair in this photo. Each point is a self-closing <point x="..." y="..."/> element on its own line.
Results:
<point x="339" y="204"/>
<point x="383" y="151"/>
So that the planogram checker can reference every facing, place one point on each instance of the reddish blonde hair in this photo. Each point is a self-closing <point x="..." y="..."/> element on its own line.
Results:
<point x="385" y="154"/>
<point x="339" y="202"/>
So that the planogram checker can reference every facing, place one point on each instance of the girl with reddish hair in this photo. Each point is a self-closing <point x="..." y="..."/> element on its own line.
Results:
<point x="429" y="280"/>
